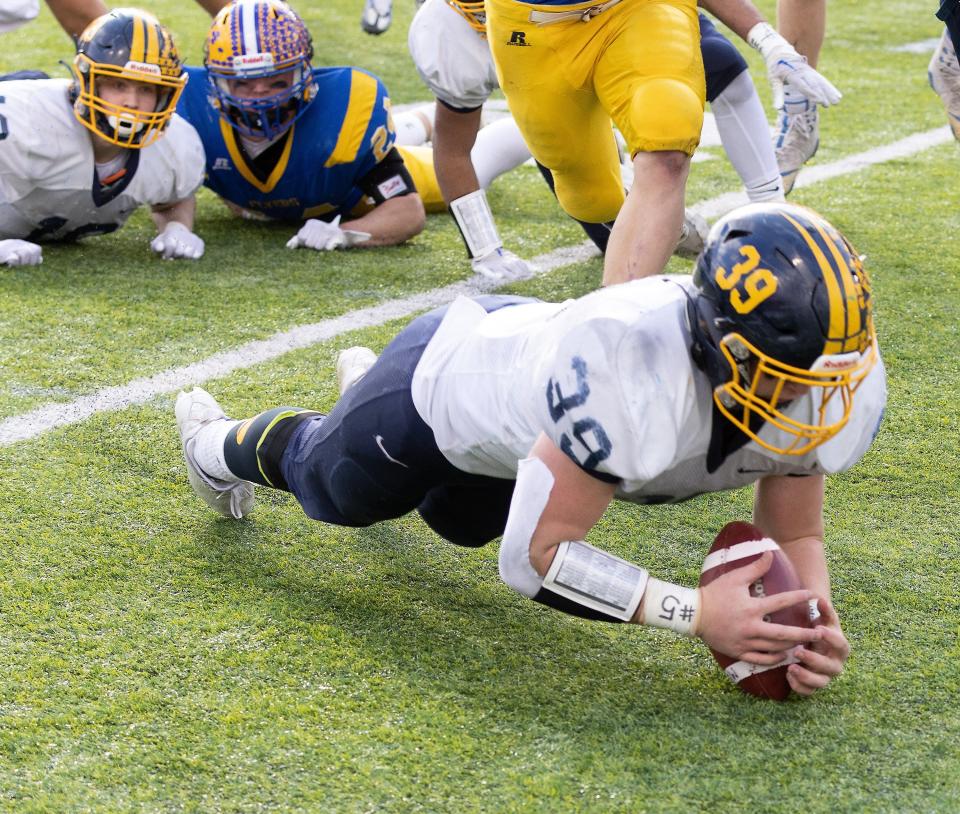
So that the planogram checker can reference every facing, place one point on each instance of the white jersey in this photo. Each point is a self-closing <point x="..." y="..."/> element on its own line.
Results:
<point x="14" y="13"/>
<point x="609" y="379"/>
<point x="48" y="185"/>
<point x="452" y="59"/>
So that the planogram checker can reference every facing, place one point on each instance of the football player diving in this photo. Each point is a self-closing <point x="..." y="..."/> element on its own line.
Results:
<point x="78" y="157"/>
<point x="289" y="142"/>
<point x="509" y="416"/>
<point x="448" y="43"/>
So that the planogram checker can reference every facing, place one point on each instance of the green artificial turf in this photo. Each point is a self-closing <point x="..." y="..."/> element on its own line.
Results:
<point x="157" y="658"/>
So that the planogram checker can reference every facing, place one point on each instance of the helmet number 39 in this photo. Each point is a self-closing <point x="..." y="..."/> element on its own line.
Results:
<point x="759" y="284"/>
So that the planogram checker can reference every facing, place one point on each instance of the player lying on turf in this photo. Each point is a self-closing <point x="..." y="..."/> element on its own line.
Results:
<point x="288" y="142"/>
<point x="515" y="417"/>
<point x="77" y="158"/>
<point x="448" y="43"/>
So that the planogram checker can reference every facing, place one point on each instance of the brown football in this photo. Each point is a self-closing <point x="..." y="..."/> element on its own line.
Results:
<point x="739" y="544"/>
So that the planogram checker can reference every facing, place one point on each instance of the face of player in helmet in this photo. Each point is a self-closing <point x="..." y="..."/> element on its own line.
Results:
<point x="256" y="89"/>
<point x="762" y="390"/>
<point x="778" y="391"/>
<point x="127" y="95"/>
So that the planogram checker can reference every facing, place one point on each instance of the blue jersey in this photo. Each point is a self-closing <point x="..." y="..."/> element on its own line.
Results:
<point x="341" y="136"/>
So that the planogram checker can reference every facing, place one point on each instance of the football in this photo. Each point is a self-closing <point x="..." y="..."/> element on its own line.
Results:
<point x="738" y="544"/>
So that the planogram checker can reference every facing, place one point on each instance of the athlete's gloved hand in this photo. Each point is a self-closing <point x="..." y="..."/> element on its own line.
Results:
<point x="501" y="264"/>
<point x="177" y="242"/>
<point x="20" y="253"/>
<point x="324" y="236"/>
<point x="784" y="64"/>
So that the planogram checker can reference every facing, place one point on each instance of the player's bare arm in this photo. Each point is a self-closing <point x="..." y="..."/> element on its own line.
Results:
<point x="454" y="134"/>
<point x="76" y="15"/>
<point x="577" y="501"/>
<point x="790" y="510"/>
<point x="730" y="620"/>
<point x="392" y="222"/>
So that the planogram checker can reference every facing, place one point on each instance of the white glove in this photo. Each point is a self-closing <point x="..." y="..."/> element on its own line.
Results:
<point x="177" y="242"/>
<point x="324" y="236"/>
<point x="501" y="264"/>
<point x="20" y="253"/>
<point x="784" y="64"/>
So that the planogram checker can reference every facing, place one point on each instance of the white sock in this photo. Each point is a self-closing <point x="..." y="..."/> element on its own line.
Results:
<point x="499" y="148"/>
<point x="414" y="127"/>
<point x="208" y="450"/>
<point x="746" y="138"/>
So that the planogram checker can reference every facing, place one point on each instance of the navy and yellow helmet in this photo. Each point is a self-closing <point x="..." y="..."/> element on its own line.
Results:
<point x="132" y="45"/>
<point x="259" y="39"/>
<point x="783" y="305"/>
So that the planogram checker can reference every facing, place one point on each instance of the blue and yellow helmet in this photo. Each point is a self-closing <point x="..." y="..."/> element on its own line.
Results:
<point x="250" y="43"/>
<point x="126" y="44"/>
<point x="783" y="305"/>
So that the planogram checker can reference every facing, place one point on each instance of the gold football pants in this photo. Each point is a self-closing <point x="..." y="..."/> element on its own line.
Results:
<point x="637" y="63"/>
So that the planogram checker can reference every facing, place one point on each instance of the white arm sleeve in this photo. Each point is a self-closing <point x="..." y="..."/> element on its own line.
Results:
<point x="530" y="496"/>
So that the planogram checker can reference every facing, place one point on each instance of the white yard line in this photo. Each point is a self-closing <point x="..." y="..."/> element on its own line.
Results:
<point x="921" y="47"/>
<point x="50" y="416"/>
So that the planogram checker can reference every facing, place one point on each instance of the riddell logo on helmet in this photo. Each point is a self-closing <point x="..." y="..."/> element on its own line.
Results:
<point x="248" y="62"/>
<point x="142" y="67"/>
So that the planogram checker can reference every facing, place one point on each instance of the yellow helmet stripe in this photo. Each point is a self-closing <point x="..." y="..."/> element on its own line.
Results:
<point x="837" y="326"/>
<point x="139" y="37"/>
<point x="153" y="43"/>
<point x="851" y="293"/>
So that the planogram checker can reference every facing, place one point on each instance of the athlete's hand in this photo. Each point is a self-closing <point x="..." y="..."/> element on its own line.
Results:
<point x="20" y="253"/>
<point x="324" y="236"/>
<point x="177" y="242"/>
<point x="784" y="64"/>
<point x="732" y="621"/>
<point x="501" y="264"/>
<point x="822" y="660"/>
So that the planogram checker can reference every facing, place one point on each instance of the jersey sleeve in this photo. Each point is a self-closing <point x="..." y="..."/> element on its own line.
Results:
<point x="453" y="61"/>
<point x="180" y="166"/>
<point x="607" y="404"/>
<point x="380" y="135"/>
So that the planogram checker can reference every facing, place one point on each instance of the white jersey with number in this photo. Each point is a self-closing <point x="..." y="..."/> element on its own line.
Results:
<point x="452" y="59"/>
<point x="48" y="186"/>
<point x="14" y="13"/>
<point x="610" y="381"/>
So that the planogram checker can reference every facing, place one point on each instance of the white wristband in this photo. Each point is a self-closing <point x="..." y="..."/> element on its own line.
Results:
<point x="475" y="221"/>
<point x="596" y="579"/>
<point x="671" y="606"/>
<point x="763" y="37"/>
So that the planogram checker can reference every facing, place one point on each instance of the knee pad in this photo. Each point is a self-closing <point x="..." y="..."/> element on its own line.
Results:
<point x="593" y="198"/>
<point x="665" y="114"/>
